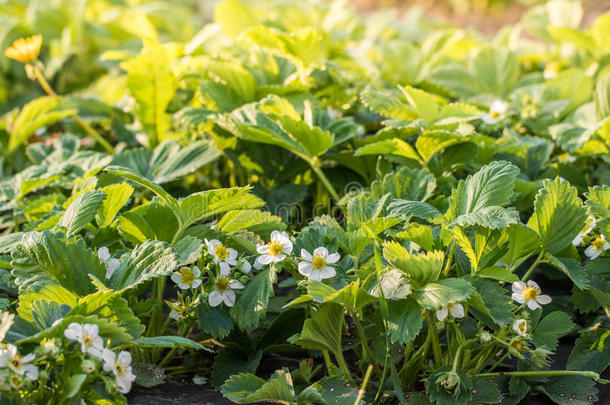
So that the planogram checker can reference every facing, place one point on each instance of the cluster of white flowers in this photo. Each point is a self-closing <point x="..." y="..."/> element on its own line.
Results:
<point x="90" y="342"/>
<point x="226" y="258"/>
<point x="314" y="266"/>
<point x="12" y="360"/>
<point x="598" y="245"/>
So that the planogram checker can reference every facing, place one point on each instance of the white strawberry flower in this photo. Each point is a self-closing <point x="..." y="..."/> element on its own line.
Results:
<point x="497" y="112"/>
<point x="110" y="262"/>
<point x="10" y="357"/>
<point x="187" y="277"/>
<point x="88" y="336"/>
<point x="529" y="294"/>
<point x="276" y="250"/>
<point x="315" y="267"/>
<point x="121" y="368"/>
<point x="591" y="223"/>
<point x="456" y="311"/>
<point x="223" y="292"/>
<point x="520" y="327"/>
<point x="223" y="256"/>
<point x="598" y="246"/>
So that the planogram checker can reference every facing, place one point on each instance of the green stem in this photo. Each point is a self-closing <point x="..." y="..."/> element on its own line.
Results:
<point x="181" y="332"/>
<point x="366" y="351"/>
<point x="449" y="258"/>
<point x="315" y="166"/>
<point x="364" y="383"/>
<point x="343" y="365"/>
<point x="88" y="129"/>
<point x="436" y="345"/>
<point x="533" y="266"/>
<point x="456" y="359"/>
<point x="384" y="312"/>
<point x="499" y="361"/>
<point x="327" y="361"/>
<point x="589" y="374"/>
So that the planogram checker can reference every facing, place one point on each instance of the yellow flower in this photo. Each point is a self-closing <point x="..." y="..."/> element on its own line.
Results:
<point x="25" y="50"/>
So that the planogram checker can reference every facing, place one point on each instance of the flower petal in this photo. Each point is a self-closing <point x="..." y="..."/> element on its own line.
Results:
<point x="543" y="299"/>
<point x="518" y="297"/>
<point x="236" y="285"/>
<point x="518" y="286"/>
<point x="441" y="314"/>
<point x="333" y="258"/>
<point x="457" y="311"/>
<point x="215" y="298"/>
<point x="305" y="255"/>
<point x="533" y="305"/>
<point x="305" y="268"/>
<point x="228" y="297"/>
<point x="321" y="251"/>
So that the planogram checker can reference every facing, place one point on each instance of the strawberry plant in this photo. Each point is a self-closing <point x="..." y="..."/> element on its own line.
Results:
<point x="297" y="203"/>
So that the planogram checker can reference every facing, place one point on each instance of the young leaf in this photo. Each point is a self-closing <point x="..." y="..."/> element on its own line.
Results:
<point x="117" y="196"/>
<point x="36" y="114"/>
<point x="323" y="330"/>
<point x="558" y="215"/>
<point x="81" y="211"/>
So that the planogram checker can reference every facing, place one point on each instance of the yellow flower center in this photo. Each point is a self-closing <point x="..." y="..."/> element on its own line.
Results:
<point x="87" y="341"/>
<point x="16" y="382"/>
<point x="598" y="243"/>
<point x="120" y="369"/>
<point x="17" y="362"/>
<point x="222" y="252"/>
<point x="275" y="248"/>
<point x="222" y="284"/>
<point x="494" y="114"/>
<point x="187" y="276"/>
<point x="530" y="293"/>
<point x="518" y="345"/>
<point x="318" y="262"/>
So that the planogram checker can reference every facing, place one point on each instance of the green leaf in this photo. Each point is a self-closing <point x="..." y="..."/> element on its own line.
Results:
<point x="36" y="114"/>
<point x="590" y="352"/>
<point x="155" y="188"/>
<point x="523" y="241"/>
<point x="393" y="146"/>
<point x="234" y="16"/>
<point x="188" y="250"/>
<point x="418" y="209"/>
<point x="214" y="321"/>
<point x="598" y="201"/>
<point x="496" y="306"/>
<point x="558" y="215"/>
<point x="391" y="106"/>
<point x="570" y="268"/>
<point x="405" y="320"/>
<point x="168" y="161"/>
<point x="274" y="121"/>
<point x="323" y="330"/>
<point x="498" y="273"/>
<point x="179" y="342"/>
<point x="405" y="183"/>
<point x="81" y="211"/>
<point x="425" y="104"/>
<point x="248" y="388"/>
<point x="117" y="196"/>
<point x="149" y="260"/>
<point x="259" y="222"/>
<point x="205" y="204"/>
<point x="440" y="294"/>
<point x="251" y="306"/>
<point x="352" y="297"/>
<point x="73" y="385"/>
<point x="602" y="97"/>
<point x="430" y="143"/>
<point x="551" y="328"/>
<point x="234" y="359"/>
<point x="154" y="220"/>
<point x="496" y="70"/>
<point x="492" y="186"/>
<point x="421" y="268"/>
<point x="48" y="257"/>
<point x="571" y="390"/>
<point x="153" y="85"/>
